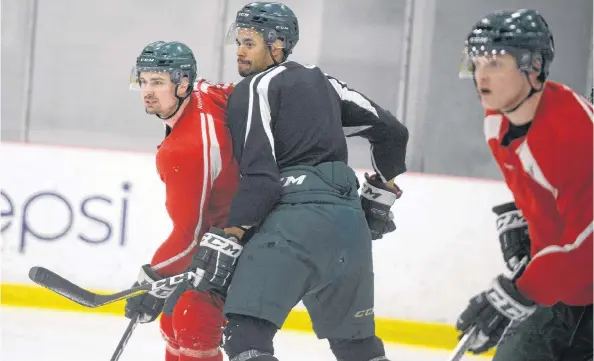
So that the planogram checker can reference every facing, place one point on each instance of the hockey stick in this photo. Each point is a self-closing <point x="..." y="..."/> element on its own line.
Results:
<point x="472" y="333"/>
<point x="58" y="284"/>
<point x="125" y="337"/>
<point x="463" y="345"/>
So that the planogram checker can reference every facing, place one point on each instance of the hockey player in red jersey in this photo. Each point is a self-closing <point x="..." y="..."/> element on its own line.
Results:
<point x="196" y="163"/>
<point x="540" y="134"/>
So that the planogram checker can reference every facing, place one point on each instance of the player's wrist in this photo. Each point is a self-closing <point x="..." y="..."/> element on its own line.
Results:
<point x="390" y="186"/>
<point x="150" y="273"/>
<point x="511" y="288"/>
<point x="237" y="231"/>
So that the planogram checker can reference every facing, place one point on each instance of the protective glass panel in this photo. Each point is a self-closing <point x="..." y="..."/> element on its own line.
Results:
<point x="150" y="78"/>
<point x="481" y="56"/>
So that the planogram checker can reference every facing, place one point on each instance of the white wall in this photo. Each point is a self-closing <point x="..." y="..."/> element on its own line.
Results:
<point x="83" y="51"/>
<point x="444" y="250"/>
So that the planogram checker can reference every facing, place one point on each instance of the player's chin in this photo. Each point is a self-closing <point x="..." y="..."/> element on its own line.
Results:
<point x="489" y="102"/>
<point x="244" y="70"/>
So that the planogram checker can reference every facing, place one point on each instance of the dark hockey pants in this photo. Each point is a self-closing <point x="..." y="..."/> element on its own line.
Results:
<point x="558" y="333"/>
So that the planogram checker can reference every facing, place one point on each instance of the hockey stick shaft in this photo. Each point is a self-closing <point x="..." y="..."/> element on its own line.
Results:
<point x="60" y="285"/>
<point x="125" y="337"/>
<point x="463" y="345"/>
<point x="470" y="335"/>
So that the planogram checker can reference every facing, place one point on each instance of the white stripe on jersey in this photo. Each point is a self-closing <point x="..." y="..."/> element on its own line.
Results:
<point x="216" y="162"/>
<point x="492" y="126"/>
<point x="265" y="113"/>
<point x="248" y="125"/>
<point x="532" y="168"/>
<point x="346" y="94"/>
<point x="352" y="96"/>
<point x="568" y="247"/>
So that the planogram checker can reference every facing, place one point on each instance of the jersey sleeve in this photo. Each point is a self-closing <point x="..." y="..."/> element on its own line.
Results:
<point x="562" y="272"/>
<point x="187" y="189"/>
<point x="253" y="145"/>
<point x="388" y="136"/>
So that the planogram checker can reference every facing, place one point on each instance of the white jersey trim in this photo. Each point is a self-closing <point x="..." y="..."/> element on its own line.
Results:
<point x="248" y="126"/>
<point x="265" y="112"/>
<point x="492" y="126"/>
<point x="532" y="168"/>
<point x="216" y="162"/>
<point x="346" y="94"/>
<point x="568" y="247"/>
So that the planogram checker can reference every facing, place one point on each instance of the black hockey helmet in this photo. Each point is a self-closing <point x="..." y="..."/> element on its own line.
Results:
<point x="524" y="34"/>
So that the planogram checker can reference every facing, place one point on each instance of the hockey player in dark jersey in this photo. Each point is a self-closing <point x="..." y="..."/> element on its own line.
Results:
<point x="298" y="221"/>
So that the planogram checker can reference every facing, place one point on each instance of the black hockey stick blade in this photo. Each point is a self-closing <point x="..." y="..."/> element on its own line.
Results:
<point x="125" y="337"/>
<point x="54" y="282"/>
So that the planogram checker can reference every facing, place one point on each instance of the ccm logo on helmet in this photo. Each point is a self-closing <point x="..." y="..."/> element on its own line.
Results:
<point x="243" y="14"/>
<point x="479" y="39"/>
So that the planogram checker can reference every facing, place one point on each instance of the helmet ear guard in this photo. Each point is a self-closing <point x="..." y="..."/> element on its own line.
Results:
<point x="537" y="63"/>
<point x="531" y="62"/>
<point x="176" y="76"/>
<point x="270" y="36"/>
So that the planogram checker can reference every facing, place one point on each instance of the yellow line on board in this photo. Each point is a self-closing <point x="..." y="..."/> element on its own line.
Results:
<point x="414" y="333"/>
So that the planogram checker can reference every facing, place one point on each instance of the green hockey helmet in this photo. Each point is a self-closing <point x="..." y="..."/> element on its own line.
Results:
<point x="273" y="20"/>
<point x="174" y="58"/>
<point x="524" y="34"/>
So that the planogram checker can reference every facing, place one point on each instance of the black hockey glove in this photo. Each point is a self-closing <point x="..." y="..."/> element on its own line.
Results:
<point x="513" y="234"/>
<point x="376" y="199"/>
<point x="149" y="305"/>
<point x="215" y="261"/>
<point x="496" y="312"/>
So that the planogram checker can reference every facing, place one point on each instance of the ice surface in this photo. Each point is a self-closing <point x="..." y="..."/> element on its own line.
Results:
<point x="41" y="335"/>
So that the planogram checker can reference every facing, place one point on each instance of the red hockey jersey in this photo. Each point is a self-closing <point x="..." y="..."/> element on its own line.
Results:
<point x="549" y="172"/>
<point x="196" y="163"/>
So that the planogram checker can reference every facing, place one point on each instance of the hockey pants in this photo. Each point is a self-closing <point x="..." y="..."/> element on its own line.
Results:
<point x="194" y="328"/>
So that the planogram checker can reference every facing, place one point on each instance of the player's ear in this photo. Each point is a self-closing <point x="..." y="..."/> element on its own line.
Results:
<point x="277" y="50"/>
<point x="182" y="89"/>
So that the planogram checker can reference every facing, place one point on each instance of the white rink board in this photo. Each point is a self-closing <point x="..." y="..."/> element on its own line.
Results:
<point x="69" y="210"/>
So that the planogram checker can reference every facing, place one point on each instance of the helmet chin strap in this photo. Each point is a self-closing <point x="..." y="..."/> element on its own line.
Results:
<point x="180" y="101"/>
<point x="533" y="91"/>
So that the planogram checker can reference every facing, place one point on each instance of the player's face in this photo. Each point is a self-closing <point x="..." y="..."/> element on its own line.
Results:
<point x="499" y="82"/>
<point x="252" y="53"/>
<point x="157" y="91"/>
